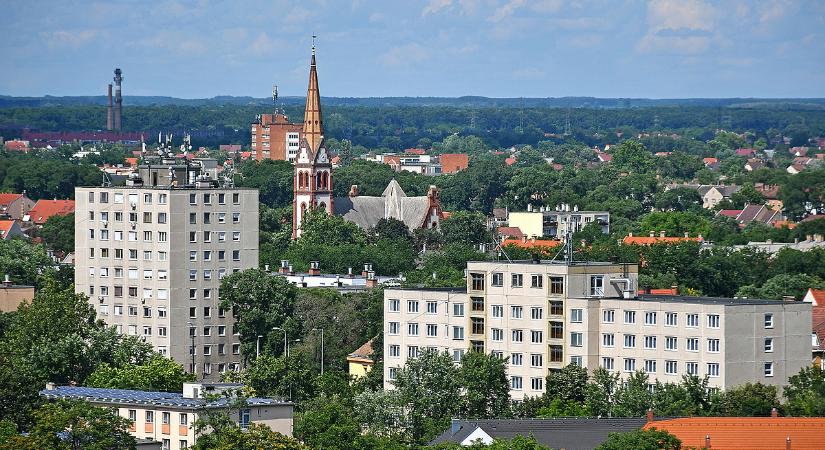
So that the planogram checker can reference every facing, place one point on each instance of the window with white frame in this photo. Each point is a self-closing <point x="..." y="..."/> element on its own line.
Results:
<point x="608" y="340"/>
<point x="650" y="365"/>
<point x="432" y="307"/>
<point x="515" y="383"/>
<point x="517" y="359"/>
<point x="692" y="368"/>
<point x="671" y="367"/>
<point x="516" y="312"/>
<point x="536" y="360"/>
<point x="630" y="317"/>
<point x="498" y="279"/>
<point x="394" y="328"/>
<point x="576" y="339"/>
<point x="536" y="336"/>
<point x="650" y="342"/>
<point x="630" y="341"/>
<point x="517" y="335"/>
<point x="394" y="305"/>
<point x="497" y="334"/>
<point x="608" y="316"/>
<point x="692" y="344"/>
<point x="597" y="286"/>
<point x="630" y="364"/>
<point x="650" y="318"/>
<point x="412" y="306"/>
<point x="671" y="319"/>
<point x="768" y="345"/>
<point x="432" y="330"/>
<point x="607" y="363"/>
<point x="537" y="383"/>
<point x="768" y="369"/>
<point x="692" y="320"/>
<point x="713" y="345"/>
<point x="458" y="333"/>
<point x="517" y="280"/>
<point x="536" y="281"/>
<point x="713" y="370"/>
<point x="536" y="312"/>
<point x="768" y="320"/>
<point x="713" y="321"/>
<point x="576" y="315"/>
<point x="458" y="309"/>
<point x="497" y="311"/>
<point x="412" y="329"/>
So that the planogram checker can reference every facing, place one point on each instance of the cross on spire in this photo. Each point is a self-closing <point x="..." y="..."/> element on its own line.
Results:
<point x="313" y="42"/>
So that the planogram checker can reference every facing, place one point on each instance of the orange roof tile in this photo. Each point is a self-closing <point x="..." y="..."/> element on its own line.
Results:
<point x="5" y="228"/>
<point x="531" y="243"/>
<point x="745" y="433"/>
<point x="44" y="209"/>
<point x="648" y="240"/>
<point x="131" y="161"/>
<point x="5" y="199"/>
<point x="363" y="352"/>
<point x="668" y="291"/>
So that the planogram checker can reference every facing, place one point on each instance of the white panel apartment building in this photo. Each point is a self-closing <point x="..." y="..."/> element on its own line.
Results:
<point x="151" y="257"/>
<point x="542" y="316"/>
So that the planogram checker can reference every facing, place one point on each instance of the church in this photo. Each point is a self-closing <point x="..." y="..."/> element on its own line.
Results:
<point x="313" y="181"/>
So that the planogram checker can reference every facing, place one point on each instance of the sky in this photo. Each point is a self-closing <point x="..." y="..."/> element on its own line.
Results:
<point x="449" y="48"/>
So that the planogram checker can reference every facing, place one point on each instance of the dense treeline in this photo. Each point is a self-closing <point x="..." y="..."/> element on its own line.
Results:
<point x="398" y="127"/>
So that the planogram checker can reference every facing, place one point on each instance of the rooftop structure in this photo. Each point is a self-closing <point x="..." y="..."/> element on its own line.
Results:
<point x="12" y="295"/>
<point x="15" y="206"/>
<point x="366" y="211"/>
<point x="745" y="433"/>
<point x="557" y="223"/>
<point x="44" y="209"/>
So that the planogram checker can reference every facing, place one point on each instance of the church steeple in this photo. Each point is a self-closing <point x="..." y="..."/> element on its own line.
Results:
<point x="313" y="130"/>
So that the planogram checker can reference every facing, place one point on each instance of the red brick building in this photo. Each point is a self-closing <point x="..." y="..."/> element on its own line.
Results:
<point x="274" y="137"/>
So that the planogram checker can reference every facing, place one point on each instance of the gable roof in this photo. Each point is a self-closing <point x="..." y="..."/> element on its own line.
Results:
<point x="135" y="397"/>
<point x="9" y="229"/>
<point x="513" y="232"/>
<point x="751" y="433"/>
<point x="817" y="298"/>
<point x="575" y="433"/>
<point x="650" y="240"/>
<point x="362" y="353"/>
<point x="44" y="209"/>
<point x="7" y="199"/>
<point x="366" y="211"/>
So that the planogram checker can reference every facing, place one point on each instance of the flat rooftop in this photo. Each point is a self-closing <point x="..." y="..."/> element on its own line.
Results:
<point x="555" y="262"/>
<point x="429" y="289"/>
<point x="712" y="300"/>
<point x="149" y="398"/>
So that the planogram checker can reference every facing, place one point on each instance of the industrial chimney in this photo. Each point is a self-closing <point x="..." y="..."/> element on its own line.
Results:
<point x="118" y="100"/>
<point x="109" y="112"/>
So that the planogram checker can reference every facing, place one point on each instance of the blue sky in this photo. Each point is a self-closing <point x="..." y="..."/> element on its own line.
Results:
<point x="495" y="48"/>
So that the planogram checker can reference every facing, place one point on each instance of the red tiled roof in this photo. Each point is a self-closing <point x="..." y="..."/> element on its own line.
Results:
<point x="416" y="151"/>
<point x="745" y="151"/>
<point x="5" y="228"/>
<point x="669" y="291"/>
<point x="510" y="161"/>
<point x="813" y="217"/>
<point x="6" y="199"/>
<point x="732" y="213"/>
<point x="557" y="166"/>
<point x="44" y="209"/>
<point x="132" y="161"/>
<point x="531" y="243"/>
<point x="817" y="296"/>
<point x="708" y="161"/>
<point x="453" y="162"/>
<point x="650" y="240"/>
<point x="514" y="232"/>
<point x="745" y="433"/>
<point x="363" y="352"/>
<point x="17" y="145"/>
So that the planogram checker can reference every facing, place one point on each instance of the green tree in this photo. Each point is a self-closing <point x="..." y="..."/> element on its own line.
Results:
<point x="632" y="156"/>
<point x="262" y="302"/>
<point x="429" y="388"/>
<point x="567" y="384"/>
<point x="486" y="387"/>
<point x="24" y="261"/>
<point x="674" y="223"/>
<point x="651" y="439"/>
<point x="465" y="227"/>
<point x="805" y="393"/>
<point x="273" y="179"/>
<point x="216" y="430"/>
<point x="58" y="233"/>
<point x="749" y="400"/>
<point x="74" y="425"/>
<point x="779" y="286"/>
<point x="157" y="374"/>
<point x="290" y="377"/>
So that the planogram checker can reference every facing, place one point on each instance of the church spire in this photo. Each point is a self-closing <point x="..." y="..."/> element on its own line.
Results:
<point x="313" y="123"/>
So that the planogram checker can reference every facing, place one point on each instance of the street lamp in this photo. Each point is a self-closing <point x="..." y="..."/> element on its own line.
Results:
<point x="192" y="349"/>
<point x="285" y="347"/>
<point x="322" y="347"/>
<point x="258" y="346"/>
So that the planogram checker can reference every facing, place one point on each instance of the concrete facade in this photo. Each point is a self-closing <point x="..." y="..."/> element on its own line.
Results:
<point x="274" y="137"/>
<point x="541" y="316"/>
<point x="151" y="258"/>
<point x="556" y="224"/>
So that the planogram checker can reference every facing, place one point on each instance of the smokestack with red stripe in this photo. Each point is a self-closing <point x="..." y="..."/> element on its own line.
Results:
<point x="118" y="100"/>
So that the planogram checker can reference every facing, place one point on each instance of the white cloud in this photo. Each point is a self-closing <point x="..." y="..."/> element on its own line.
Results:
<point x="72" y="39"/>
<point x="404" y="55"/>
<point x="435" y="6"/>
<point x="506" y="10"/>
<point x="678" y="27"/>
<point x="263" y="45"/>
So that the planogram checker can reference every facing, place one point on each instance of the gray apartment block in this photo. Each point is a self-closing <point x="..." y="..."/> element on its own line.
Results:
<point x="544" y="315"/>
<point x="151" y="257"/>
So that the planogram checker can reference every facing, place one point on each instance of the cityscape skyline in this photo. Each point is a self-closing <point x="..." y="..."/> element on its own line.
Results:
<point x="200" y="49"/>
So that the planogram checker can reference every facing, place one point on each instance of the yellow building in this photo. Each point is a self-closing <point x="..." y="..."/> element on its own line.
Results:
<point x="360" y="361"/>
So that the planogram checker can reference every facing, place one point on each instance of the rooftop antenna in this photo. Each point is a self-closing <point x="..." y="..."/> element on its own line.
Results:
<point x="566" y="248"/>
<point x="107" y="182"/>
<point x="275" y="98"/>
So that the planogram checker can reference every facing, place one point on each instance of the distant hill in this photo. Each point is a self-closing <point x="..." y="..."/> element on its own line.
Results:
<point x="469" y="101"/>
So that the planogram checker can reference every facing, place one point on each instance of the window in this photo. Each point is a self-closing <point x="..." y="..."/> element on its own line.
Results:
<point x="412" y="351"/>
<point x="650" y="342"/>
<point x="477" y="281"/>
<point x="458" y="333"/>
<point x="515" y="383"/>
<point x="575" y="339"/>
<point x="671" y="319"/>
<point x="193" y="236"/>
<point x="394" y="328"/>
<point x="221" y="330"/>
<point x="497" y="311"/>
<point x="536" y="313"/>
<point x="193" y="199"/>
<point x="477" y="304"/>
<point x="597" y="286"/>
<point x="132" y="415"/>
<point x="207" y="199"/>
<point x="607" y="363"/>
<point x="768" y="345"/>
<point x="412" y="329"/>
<point x="536" y="360"/>
<point x="768" y="320"/>
<point x="650" y="318"/>
<point x="236" y="235"/>
<point x="608" y="340"/>
<point x="713" y="320"/>
<point x="537" y="281"/>
<point x="556" y="308"/>
<point x="517" y="336"/>
<point x="497" y="334"/>
<point x="207" y="255"/>
<point x="536" y="383"/>
<point x="166" y="418"/>
<point x="150" y="416"/>
<point x="713" y="369"/>
<point x="556" y="330"/>
<point x="432" y="307"/>
<point x="536" y="336"/>
<point x="516" y="359"/>
<point x="692" y="368"/>
<point x="457" y="355"/>
<point x="713" y="345"/>
<point x="395" y="350"/>
<point x="670" y="343"/>
<point x="162" y="238"/>
<point x="517" y="280"/>
<point x="630" y="341"/>
<point x="692" y="320"/>
<point x="768" y="369"/>
<point x="576" y="360"/>
<point x="458" y="309"/>
<point x="630" y="364"/>
<point x="183" y="419"/>
<point x="498" y="279"/>
<point x="395" y="305"/>
<point x="671" y="368"/>
<point x="477" y="324"/>
<point x="556" y="285"/>
<point x="516" y="312"/>
<point x="650" y="365"/>
<point x="104" y="197"/>
<point x="244" y="419"/>
<point x="432" y="330"/>
<point x="236" y="198"/>
<point x="608" y="316"/>
<point x="236" y="255"/>
<point x="147" y="217"/>
<point x="162" y="199"/>
<point x="207" y="218"/>
<point x="193" y="274"/>
<point x="221" y="236"/>
<point x="630" y="317"/>
<point x="576" y="315"/>
<point x="412" y="306"/>
<point x="236" y="217"/>
<point x="692" y="344"/>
